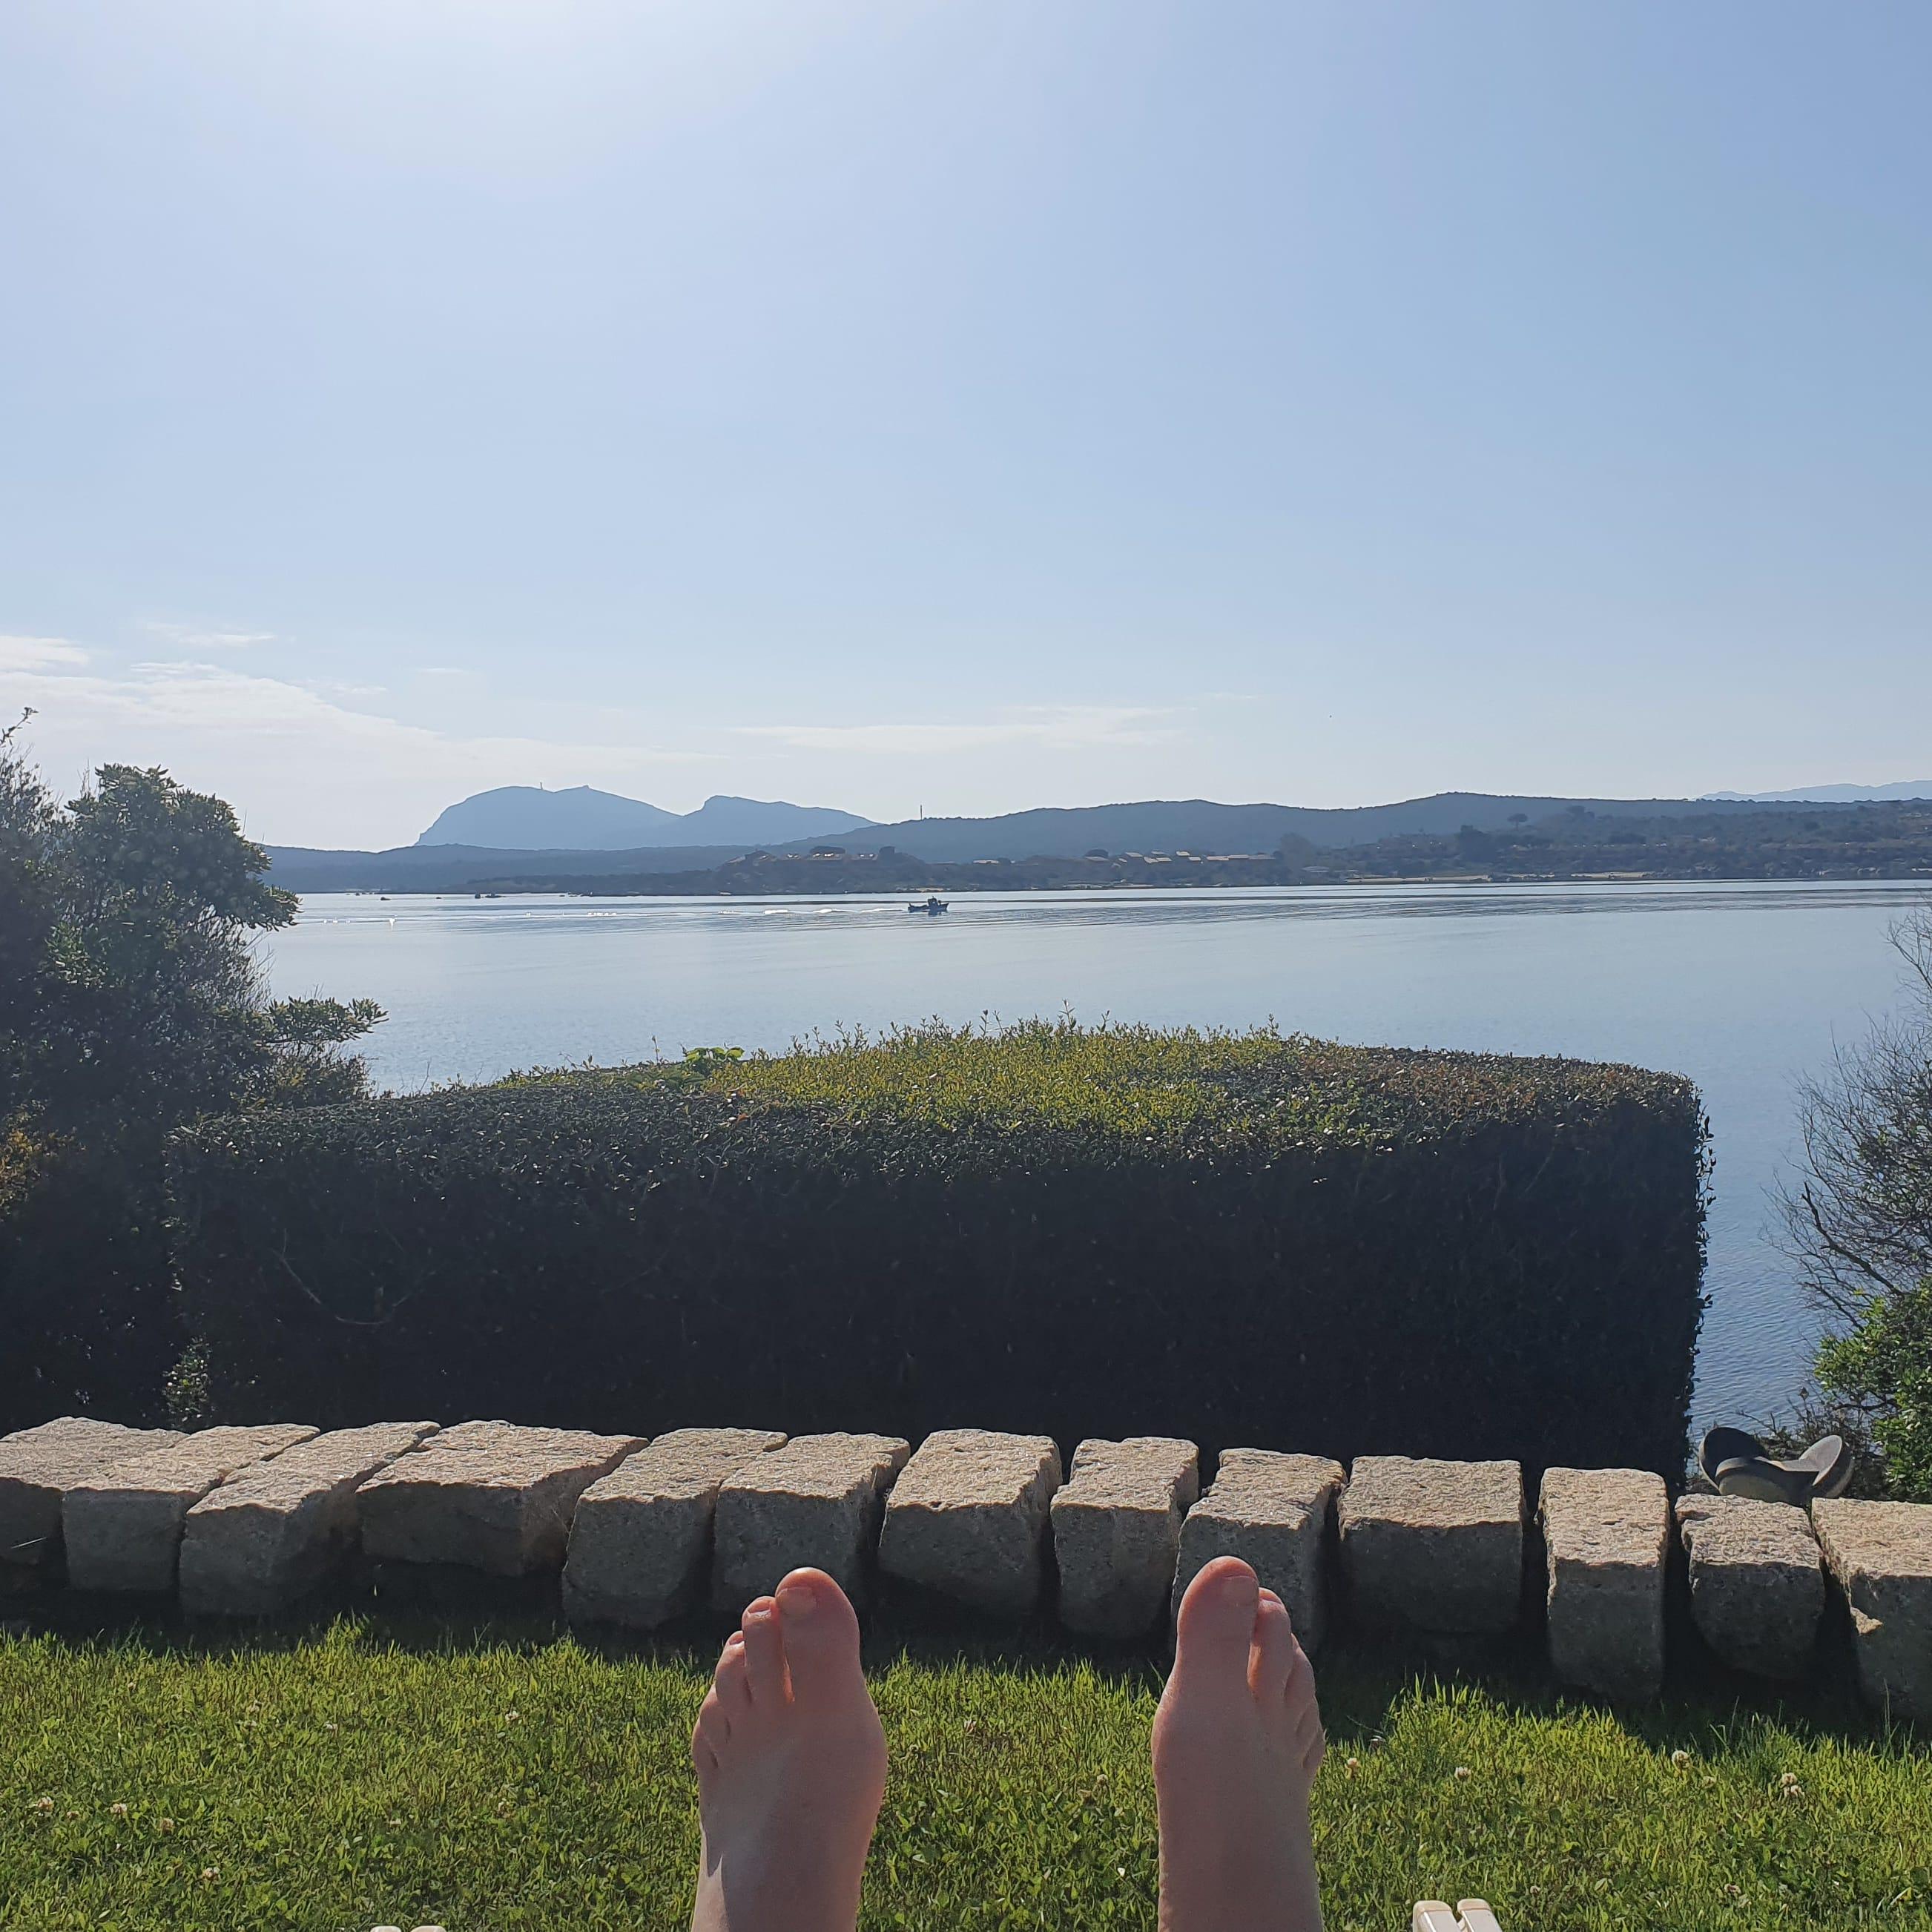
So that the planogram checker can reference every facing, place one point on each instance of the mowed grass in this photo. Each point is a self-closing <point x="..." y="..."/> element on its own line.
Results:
<point x="341" y="1781"/>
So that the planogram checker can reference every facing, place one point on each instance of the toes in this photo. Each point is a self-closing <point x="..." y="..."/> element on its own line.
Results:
<point x="731" y="1686"/>
<point x="1311" y="1741"/>
<point x="1272" y="1652"/>
<point x="1306" y="1722"/>
<point x="764" y="1653"/>
<point x="820" y="1636"/>
<point x="1299" y="1691"/>
<point x="1310" y="1744"/>
<point x="712" y="1732"/>
<point x="1215" y="1628"/>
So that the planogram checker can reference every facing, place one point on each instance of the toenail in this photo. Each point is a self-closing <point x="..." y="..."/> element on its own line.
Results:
<point x="798" y="1599"/>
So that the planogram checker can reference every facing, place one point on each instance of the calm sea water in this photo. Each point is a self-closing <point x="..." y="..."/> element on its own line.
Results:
<point x="1742" y="986"/>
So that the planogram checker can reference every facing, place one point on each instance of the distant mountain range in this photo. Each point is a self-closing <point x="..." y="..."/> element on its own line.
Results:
<point x="526" y="818"/>
<point x="1199" y="826"/>
<point x="437" y="863"/>
<point x="1833" y="794"/>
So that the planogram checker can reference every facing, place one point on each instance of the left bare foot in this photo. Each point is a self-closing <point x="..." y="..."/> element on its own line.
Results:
<point x="791" y="1768"/>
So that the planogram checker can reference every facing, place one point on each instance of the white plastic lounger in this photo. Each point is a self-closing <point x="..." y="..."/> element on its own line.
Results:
<point x="1473" y="1915"/>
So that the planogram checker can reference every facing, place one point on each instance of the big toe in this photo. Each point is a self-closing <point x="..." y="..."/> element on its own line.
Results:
<point x="1215" y="1627"/>
<point x="821" y="1636"/>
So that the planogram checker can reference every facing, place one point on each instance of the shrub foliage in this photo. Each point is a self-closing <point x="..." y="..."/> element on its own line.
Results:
<point x="1879" y="1378"/>
<point x="1859" y="1219"/>
<point x="1244" y="1239"/>
<point x="129" y="1002"/>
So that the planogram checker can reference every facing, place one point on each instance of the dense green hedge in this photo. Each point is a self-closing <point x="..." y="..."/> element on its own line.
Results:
<point x="87" y="1322"/>
<point x="1243" y="1239"/>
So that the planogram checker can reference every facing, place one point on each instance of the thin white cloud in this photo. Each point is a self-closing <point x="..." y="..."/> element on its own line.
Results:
<point x="29" y="654"/>
<point x="1053" y="727"/>
<point x="298" y="763"/>
<point x="213" y="697"/>
<point x="194" y="638"/>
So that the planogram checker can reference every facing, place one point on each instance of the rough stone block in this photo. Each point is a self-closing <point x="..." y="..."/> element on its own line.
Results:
<point x="123" y="1529"/>
<point x="1757" y="1589"/>
<point x="642" y="1535"/>
<point x="967" y="1515"/>
<point x="493" y="1496"/>
<point x="1270" y="1509"/>
<point x="1607" y="1533"/>
<point x="37" y="1467"/>
<point x="1880" y="1556"/>
<point x="1437" y="1546"/>
<point x="1116" y="1531"/>
<point x="816" y="1501"/>
<point x="256" y="1544"/>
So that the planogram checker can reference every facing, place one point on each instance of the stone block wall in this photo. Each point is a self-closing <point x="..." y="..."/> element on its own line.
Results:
<point x="242" y="1523"/>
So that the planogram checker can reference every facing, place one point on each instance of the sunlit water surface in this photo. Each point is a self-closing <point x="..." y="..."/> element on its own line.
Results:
<point x="1745" y="987"/>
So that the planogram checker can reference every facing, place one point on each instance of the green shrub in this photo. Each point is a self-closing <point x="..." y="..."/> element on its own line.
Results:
<point x="1239" y="1238"/>
<point x="1858" y="1213"/>
<point x="89" y="1319"/>
<point x="1882" y="1372"/>
<point x="129" y="1001"/>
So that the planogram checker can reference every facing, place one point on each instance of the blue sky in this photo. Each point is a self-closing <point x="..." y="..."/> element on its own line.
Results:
<point x="969" y="406"/>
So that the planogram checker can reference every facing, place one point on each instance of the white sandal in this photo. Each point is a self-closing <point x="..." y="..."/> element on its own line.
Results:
<point x="1473" y="1915"/>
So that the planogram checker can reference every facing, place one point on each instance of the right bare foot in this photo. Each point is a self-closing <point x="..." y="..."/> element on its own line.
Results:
<point x="1237" y="1743"/>
<point x="791" y="1768"/>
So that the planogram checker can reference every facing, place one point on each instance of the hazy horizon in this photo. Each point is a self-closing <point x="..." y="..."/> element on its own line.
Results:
<point x="701" y="836"/>
<point x="912" y="406"/>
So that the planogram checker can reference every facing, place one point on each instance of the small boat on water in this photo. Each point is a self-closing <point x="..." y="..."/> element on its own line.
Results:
<point x="934" y="907"/>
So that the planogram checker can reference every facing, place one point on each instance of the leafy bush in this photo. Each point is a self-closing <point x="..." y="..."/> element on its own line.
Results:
<point x="1859" y="1220"/>
<point x="91" y="1320"/>
<point x="129" y="1003"/>
<point x="1881" y="1372"/>
<point x="1244" y="1239"/>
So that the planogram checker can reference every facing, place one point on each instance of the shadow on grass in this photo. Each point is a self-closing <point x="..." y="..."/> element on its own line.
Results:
<point x="430" y="1613"/>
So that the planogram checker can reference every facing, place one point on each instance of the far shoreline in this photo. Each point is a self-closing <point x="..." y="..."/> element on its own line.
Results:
<point x="674" y="885"/>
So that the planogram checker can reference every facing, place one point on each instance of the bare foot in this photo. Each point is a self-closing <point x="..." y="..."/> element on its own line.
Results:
<point x="1237" y="1743"/>
<point x="791" y="1768"/>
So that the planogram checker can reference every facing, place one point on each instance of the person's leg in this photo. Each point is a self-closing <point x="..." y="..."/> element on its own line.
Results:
<point x="1237" y="1743"/>
<point x="791" y="1768"/>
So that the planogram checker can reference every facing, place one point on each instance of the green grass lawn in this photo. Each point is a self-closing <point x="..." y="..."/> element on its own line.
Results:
<point x="341" y="1780"/>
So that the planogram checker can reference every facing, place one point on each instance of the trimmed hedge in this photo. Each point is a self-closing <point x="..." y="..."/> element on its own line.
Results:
<point x="88" y="1323"/>
<point x="1242" y="1239"/>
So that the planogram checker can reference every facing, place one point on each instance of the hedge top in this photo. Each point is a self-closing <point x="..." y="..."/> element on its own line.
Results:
<point x="953" y="1102"/>
<point x="1261" y="1091"/>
